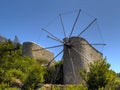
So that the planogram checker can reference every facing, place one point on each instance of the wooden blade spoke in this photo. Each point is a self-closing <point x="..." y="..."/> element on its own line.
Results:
<point x="74" y="24"/>
<point x="52" y="35"/>
<point x="72" y="63"/>
<point x="55" y="39"/>
<point x="62" y="25"/>
<point x="87" y="27"/>
<point x="99" y="44"/>
<point x="102" y="44"/>
<point x="54" y="58"/>
<point x="48" y="47"/>
<point x="80" y="54"/>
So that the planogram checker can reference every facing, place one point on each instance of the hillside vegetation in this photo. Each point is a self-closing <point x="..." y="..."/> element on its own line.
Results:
<point x="17" y="71"/>
<point x="25" y="73"/>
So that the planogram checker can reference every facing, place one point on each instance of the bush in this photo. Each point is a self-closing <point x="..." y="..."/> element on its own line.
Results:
<point x="54" y="73"/>
<point x="76" y="87"/>
<point x="16" y="70"/>
<point x="53" y="87"/>
<point x="64" y="87"/>
<point x="4" y="86"/>
<point x="35" y="77"/>
<point x="100" y="76"/>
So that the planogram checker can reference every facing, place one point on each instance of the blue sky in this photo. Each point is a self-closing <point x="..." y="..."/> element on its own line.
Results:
<point x="25" y="18"/>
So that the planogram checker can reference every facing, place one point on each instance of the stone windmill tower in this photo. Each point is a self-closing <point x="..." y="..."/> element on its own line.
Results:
<point x="77" y="52"/>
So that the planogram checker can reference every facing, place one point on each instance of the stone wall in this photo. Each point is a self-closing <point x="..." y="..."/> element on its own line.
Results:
<point x="76" y="58"/>
<point x="37" y="52"/>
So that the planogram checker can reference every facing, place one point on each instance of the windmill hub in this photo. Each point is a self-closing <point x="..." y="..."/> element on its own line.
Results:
<point x="67" y="42"/>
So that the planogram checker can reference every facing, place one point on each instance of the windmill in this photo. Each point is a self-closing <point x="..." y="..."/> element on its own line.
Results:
<point x="77" y="52"/>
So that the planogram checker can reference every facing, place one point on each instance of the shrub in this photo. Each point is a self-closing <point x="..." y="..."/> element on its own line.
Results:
<point x="35" y="77"/>
<point x="100" y="76"/>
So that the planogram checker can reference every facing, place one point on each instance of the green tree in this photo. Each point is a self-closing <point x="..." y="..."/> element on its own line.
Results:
<point x="99" y="76"/>
<point x="35" y="77"/>
<point x="15" y="68"/>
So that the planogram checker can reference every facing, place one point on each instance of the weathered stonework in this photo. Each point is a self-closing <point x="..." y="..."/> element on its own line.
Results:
<point x="76" y="58"/>
<point x="35" y="51"/>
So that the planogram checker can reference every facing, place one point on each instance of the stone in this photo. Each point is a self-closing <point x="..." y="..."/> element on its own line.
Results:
<point x="76" y="57"/>
<point x="35" y="51"/>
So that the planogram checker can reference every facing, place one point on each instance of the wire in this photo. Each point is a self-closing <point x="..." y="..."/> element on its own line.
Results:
<point x="86" y="58"/>
<point x="91" y="16"/>
<point x="69" y="12"/>
<point x="99" y="30"/>
<point x="51" y="22"/>
<point x="87" y="14"/>
<point x="72" y="64"/>
<point x="87" y="27"/>
<point x="62" y="25"/>
<point x="74" y="23"/>
<point x="56" y="74"/>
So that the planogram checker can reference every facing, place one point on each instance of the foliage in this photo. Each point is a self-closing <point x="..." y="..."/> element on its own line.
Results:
<point x="118" y="74"/>
<point x="4" y="86"/>
<point x="13" y="66"/>
<point x="54" y="73"/>
<point x="76" y="87"/>
<point x="17" y="72"/>
<point x="35" y="76"/>
<point x="42" y="61"/>
<point x="100" y="76"/>
<point x="64" y="87"/>
<point x="53" y="87"/>
<point x="113" y="80"/>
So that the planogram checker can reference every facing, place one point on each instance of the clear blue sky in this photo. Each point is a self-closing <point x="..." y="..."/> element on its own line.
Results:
<point x="25" y="18"/>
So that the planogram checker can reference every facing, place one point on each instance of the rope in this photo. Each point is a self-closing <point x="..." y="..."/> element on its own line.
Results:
<point x="87" y="14"/>
<point x="56" y="74"/>
<point x="70" y="12"/>
<point x="100" y="34"/>
<point x="97" y="25"/>
<point x="51" y="22"/>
